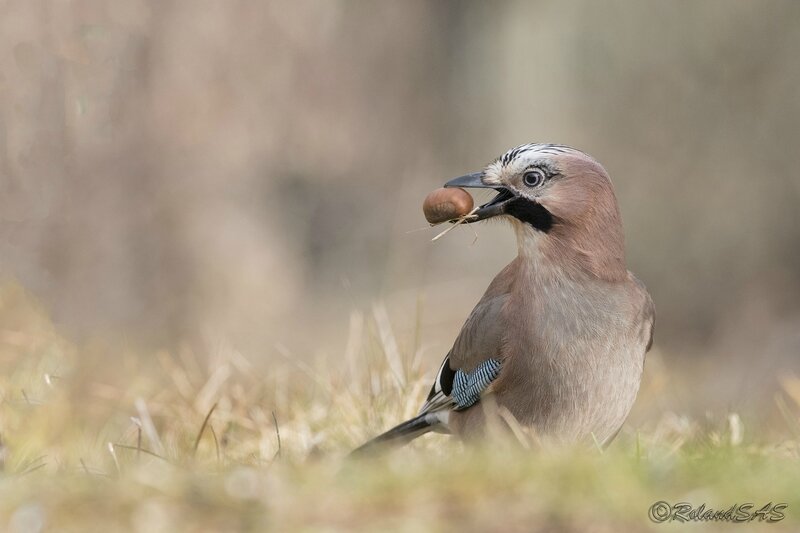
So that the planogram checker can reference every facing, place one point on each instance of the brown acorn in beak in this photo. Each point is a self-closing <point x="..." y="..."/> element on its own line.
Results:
<point x="443" y="204"/>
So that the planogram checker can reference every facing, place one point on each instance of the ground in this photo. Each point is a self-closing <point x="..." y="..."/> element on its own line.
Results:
<point x="95" y="439"/>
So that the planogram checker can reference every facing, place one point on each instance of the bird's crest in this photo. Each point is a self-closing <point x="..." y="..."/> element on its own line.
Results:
<point x="542" y="148"/>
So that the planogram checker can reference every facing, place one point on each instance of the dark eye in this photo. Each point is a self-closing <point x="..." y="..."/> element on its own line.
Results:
<point x="533" y="177"/>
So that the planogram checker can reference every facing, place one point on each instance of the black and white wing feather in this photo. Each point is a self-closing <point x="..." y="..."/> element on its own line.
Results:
<point x="457" y="389"/>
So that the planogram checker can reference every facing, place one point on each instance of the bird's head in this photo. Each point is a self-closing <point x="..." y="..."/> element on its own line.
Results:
<point x="561" y="203"/>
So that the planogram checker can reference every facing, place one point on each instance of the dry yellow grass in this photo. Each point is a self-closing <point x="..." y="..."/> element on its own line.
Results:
<point x="100" y="440"/>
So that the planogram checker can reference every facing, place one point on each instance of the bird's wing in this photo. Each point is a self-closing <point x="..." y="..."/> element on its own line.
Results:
<point x="473" y="362"/>
<point x="647" y="317"/>
<point x="467" y="371"/>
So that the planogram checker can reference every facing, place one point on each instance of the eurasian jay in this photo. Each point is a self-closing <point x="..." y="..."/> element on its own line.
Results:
<point x="559" y="338"/>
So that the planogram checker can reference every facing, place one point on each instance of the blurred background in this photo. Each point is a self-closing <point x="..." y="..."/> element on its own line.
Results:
<point x="252" y="173"/>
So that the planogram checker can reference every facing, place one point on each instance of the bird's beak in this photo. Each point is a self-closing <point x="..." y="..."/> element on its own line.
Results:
<point x="492" y="208"/>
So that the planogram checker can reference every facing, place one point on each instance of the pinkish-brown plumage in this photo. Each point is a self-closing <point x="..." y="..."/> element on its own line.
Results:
<point x="565" y="322"/>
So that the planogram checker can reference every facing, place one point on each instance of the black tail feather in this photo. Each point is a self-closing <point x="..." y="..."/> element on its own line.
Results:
<point x="397" y="436"/>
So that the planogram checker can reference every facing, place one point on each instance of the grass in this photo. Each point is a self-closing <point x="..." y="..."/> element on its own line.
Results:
<point x="95" y="440"/>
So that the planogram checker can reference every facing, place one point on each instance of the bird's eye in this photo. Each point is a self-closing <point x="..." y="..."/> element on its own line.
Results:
<point x="533" y="177"/>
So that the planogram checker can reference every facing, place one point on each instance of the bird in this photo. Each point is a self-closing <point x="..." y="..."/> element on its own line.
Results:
<point x="559" y="337"/>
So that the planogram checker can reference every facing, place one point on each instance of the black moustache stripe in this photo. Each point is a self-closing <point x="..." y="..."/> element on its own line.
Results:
<point x="530" y="212"/>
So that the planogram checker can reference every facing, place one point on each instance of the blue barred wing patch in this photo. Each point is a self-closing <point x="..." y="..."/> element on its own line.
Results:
<point x="468" y="386"/>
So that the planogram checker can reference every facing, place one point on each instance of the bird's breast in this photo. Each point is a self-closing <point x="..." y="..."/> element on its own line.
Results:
<point x="574" y="356"/>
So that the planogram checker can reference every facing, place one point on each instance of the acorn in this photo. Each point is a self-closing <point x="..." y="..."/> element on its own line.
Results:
<point x="443" y="204"/>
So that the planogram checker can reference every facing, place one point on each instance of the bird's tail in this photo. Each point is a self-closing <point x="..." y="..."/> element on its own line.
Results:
<point x="398" y="435"/>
